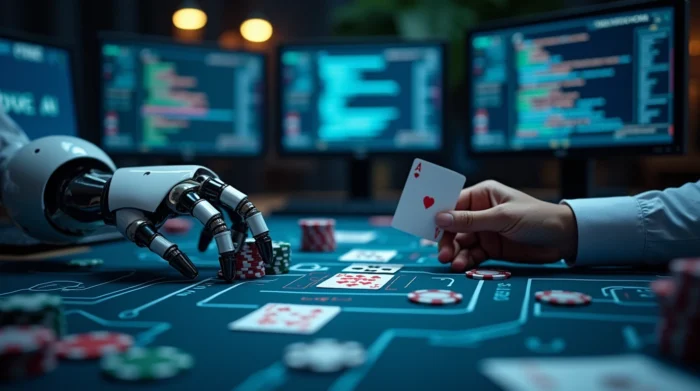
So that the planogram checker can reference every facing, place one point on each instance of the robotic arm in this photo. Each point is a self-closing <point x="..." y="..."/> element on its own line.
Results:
<point x="60" y="188"/>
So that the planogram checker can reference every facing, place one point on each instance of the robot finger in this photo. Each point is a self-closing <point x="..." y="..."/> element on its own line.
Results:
<point x="216" y="227"/>
<point x="137" y="228"/>
<point x="169" y="252"/>
<point x="205" y="238"/>
<point x="214" y="189"/>
<point x="239" y="229"/>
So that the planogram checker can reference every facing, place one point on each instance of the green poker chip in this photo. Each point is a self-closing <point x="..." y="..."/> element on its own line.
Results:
<point x="85" y="262"/>
<point x="281" y="256"/>
<point x="140" y="363"/>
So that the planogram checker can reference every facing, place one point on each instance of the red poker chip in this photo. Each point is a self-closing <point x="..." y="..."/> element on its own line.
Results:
<point x="316" y="222"/>
<point x="26" y="351"/>
<point x="22" y="339"/>
<point x="317" y="235"/>
<point x="93" y="345"/>
<point x="435" y="297"/>
<point x="488" y="274"/>
<point x="559" y="297"/>
<point x="177" y="225"/>
<point x="663" y="289"/>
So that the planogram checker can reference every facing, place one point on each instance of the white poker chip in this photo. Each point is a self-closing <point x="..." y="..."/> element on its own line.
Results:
<point x="488" y="274"/>
<point x="324" y="355"/>
<point x="435" y="296"/>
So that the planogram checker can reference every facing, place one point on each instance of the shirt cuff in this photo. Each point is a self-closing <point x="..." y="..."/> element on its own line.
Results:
<point x="610" y="231"/>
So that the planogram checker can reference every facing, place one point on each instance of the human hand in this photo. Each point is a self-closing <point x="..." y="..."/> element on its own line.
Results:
<point x="494" y="221"/>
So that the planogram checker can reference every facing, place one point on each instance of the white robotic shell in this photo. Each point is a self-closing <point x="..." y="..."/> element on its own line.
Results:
<point x="27" y="173"/>
<point x="145" y="188"/>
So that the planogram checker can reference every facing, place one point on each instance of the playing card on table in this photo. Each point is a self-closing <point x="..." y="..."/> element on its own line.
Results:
<point x="356" y="281"/>
<point x="429" y="189"/>
<point x="607" y="373"/>
<point x="384" y="268"/>
<point x="360" y="255"/>
<point x="286" y="318"/>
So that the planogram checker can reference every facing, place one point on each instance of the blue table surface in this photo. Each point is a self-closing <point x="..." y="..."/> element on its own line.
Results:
<point x="409" y="346"/>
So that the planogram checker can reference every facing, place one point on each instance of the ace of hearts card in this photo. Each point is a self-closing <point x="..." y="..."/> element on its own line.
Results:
<point x="429" y="189"/>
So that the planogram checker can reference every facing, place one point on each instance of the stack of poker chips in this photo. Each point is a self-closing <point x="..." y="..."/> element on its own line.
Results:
<point x="249" y="262"/>
<point x="34" y="309"/>
<point x="281" y="256"/>
<point x="317" y="235"/>
<point x="678" y="330"/>
<point x="26" y="351"/>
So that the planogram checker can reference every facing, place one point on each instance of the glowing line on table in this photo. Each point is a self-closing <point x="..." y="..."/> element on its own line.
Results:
<point x="128" y="314"/>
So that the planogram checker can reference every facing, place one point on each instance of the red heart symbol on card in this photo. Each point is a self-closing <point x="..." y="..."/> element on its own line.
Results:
<point x="428" y="201"/>
<point x="415" y="174"/>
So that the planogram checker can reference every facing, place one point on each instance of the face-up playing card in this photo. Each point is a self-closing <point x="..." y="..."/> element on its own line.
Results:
<point x="429" y="189"/>
<point x="371" y="268"/>
<point x="286" y="318"/>
<point x="355" y="237"/>
<point x="606" y="373"/>
<point x="360" y="255"/>
<point x="356" y="281"/>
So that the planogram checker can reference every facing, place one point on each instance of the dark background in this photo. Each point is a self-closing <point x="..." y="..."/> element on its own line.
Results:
<point x="78" y="22"/>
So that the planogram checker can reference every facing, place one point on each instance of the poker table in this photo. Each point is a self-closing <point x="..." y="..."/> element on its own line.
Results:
<point x="409" y="346"/>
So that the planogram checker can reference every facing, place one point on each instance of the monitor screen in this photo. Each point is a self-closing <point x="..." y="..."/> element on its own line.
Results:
<point x="357" y="98"/>
<point x="187" y="100"/>
<point x="36" y="88"/>
<point x="589" y="82"/>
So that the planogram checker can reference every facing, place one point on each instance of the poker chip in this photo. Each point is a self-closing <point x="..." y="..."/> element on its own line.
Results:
<point x="488" y="274"/>
<point x="435" y="297"/>
<point x="93" y="345"/>
<point x="33" y="309"/>
<point x="558" y="297"/>
<point x="324" y="355"/>
<point x="139" y="363"/>
<point x="85" y="263"/>
<point x="281" y="256"/>
<point x="678" y="329"/>
<point x="249" y="262"/>
<point x="177" y="225"/>
<point x="317" y="235"/>
<point x="26" y="351"/>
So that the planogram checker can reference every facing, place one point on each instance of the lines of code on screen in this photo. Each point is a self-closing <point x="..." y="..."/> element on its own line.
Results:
<point x="593" y="82"/>
<point x="184" y="100"/>
<point x="361" y="97"/>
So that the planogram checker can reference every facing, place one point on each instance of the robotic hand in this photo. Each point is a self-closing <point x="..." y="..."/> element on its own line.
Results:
<point x="59" y="189"/>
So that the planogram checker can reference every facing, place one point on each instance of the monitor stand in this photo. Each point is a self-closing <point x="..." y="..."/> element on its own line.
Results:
<point x="576" y="178"/>
<point x="360" y="201"/>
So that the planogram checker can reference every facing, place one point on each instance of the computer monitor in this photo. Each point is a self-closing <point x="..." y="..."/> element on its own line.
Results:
<point x="165" y="98"/>
<point x="599" y="81"/>
<point x="36" y="85"/>
<point x="356" y="99"/>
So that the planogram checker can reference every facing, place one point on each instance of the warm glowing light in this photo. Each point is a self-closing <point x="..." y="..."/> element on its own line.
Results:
<point x="189" y="19"/>
<point x="694" y="48"/>
<point x="256" y="30"/>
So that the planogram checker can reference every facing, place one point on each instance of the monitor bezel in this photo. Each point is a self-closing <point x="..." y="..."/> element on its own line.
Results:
<point x="359" y="41"/>
<point x="680" y="97"/>
<point x="75" y="83"/>
<point x="129" y="38"/>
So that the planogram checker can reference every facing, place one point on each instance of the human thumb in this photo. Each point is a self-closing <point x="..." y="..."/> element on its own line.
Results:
<point x="489" y="220"/>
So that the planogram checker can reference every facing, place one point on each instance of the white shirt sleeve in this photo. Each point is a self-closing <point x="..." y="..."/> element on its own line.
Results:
<point x="652" y="227"/>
